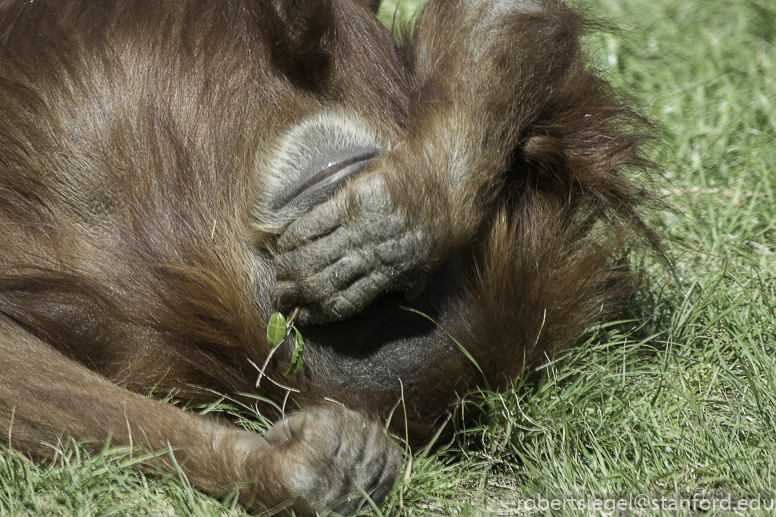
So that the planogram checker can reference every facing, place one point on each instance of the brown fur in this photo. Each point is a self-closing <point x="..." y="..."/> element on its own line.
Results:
<point x="133" y="149"/>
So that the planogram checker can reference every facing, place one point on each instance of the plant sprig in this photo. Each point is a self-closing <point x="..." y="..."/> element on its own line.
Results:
<point x="278" y="329"/>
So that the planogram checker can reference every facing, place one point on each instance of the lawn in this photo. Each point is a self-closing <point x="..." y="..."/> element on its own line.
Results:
<point x="676" y="400"/>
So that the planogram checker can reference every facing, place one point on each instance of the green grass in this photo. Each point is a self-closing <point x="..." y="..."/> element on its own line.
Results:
<point x="680" y="397"/>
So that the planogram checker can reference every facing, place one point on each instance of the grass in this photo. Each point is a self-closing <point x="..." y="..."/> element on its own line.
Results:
<point x="675" y="401"/>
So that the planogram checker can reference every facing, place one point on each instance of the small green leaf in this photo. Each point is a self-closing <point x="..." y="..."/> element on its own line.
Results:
<point x="296" y="358"/>
<point x="276" y="330"/>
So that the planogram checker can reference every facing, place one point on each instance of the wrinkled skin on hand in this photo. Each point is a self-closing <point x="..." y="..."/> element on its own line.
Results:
<point x="322" y="458"/>
<point x="336" y="259"/>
